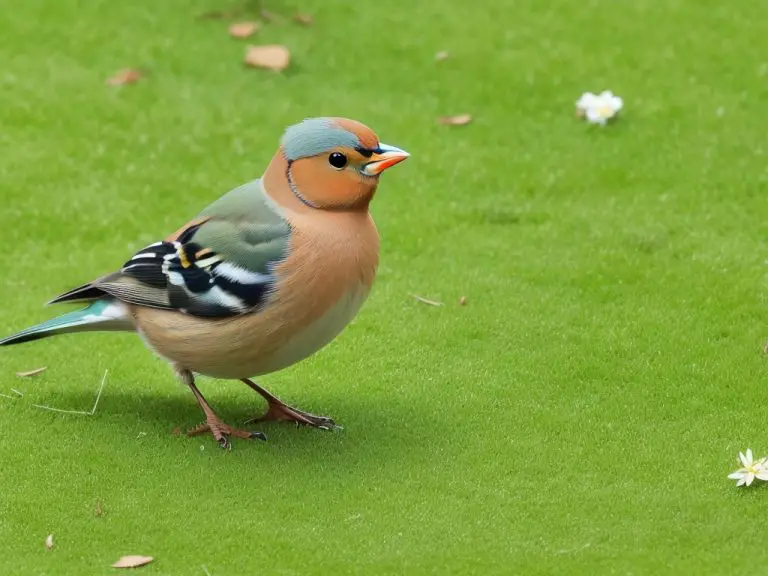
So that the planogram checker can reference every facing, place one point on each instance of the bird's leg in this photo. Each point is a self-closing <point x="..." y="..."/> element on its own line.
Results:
<point x="279" y="410"/>
<point x="218" y="429"/>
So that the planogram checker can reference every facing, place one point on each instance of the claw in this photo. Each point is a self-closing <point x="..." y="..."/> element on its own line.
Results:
<point x="259" y="436"/>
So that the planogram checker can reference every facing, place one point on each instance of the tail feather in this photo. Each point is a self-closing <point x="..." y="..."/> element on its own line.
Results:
<point x="84" y="293"/>
<point x="101" y="315"/>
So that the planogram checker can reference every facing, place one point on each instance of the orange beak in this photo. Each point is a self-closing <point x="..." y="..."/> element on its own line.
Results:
<point x="385" y="157"/>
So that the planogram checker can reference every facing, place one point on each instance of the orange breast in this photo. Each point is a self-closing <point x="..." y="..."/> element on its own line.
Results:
<point x="322" y="283"/>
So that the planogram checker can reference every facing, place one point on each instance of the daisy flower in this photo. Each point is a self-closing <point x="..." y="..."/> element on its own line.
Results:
<point x="599" y="108"/>
<point x="750" y="469"/>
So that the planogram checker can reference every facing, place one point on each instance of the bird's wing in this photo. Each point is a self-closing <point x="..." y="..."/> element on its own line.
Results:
<point x="220" y="264"/>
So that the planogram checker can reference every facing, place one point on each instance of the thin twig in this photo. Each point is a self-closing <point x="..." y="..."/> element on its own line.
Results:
<point x="426" y="301"/>
<point x="89" y="413"/>
<point x="17" y="392"/>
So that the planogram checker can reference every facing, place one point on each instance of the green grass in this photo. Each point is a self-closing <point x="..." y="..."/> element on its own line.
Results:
<point x="579" y="415"/>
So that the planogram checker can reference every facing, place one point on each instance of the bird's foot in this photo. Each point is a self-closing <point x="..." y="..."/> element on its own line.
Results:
<point x="280" y="412"/>
<point x="222" y="432"/>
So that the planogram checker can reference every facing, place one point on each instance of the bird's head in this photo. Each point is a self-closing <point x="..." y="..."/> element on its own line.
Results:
<point x="335" y="163"/>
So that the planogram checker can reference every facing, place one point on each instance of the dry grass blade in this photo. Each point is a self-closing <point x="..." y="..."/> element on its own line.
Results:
<point x="34" y="372"/>
<point x="442" y="55"/>
<point x="268" y="16"/>
<point x="126" y="76"/>
<point x="91" y="412"/>
<point x="243" y="29"/>
<point x="272" y="57"/>
<point x="49" y="542"/>
<point x="458" y="120"/>
<point x="463" y="301"/>
<point x="220" y="14"/>
<point x="426" y="300"/>
<point x="132" y="561"/>
<point x="17" y="392"/>
<point x="303" y="19"/>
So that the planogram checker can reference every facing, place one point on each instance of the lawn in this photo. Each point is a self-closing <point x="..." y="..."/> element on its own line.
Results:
<point x="578" y="415"/>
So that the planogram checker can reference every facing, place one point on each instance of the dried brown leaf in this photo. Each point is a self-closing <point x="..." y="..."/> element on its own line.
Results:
<point x="126" y="76"/>
<point x="442" y="55"/>
<point x="49" y="542"/>
<point x="463" y="301"/>
<point x="272" y="57"/>
<point x="132" y="561"/>
<point x="303" y="19"/>
<point x="458" y="120"/>
<point x="243" y="29"/>
<point x="34" y="372"/>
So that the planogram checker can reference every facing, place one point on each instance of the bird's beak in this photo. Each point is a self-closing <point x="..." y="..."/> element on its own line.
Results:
<point x="385" y="157"/>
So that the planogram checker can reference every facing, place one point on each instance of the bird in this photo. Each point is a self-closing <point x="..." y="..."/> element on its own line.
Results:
<point x="264" y="277"/>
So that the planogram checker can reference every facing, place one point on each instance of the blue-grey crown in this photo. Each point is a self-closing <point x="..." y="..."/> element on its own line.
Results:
<point x="314" y="136"/>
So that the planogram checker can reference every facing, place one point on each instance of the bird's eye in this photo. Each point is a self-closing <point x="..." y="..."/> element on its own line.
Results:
<point x="337" y="160"/>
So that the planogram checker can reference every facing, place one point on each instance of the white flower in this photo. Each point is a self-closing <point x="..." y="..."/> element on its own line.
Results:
<point x="750" y="469"/>
<point x="599" y="108"/>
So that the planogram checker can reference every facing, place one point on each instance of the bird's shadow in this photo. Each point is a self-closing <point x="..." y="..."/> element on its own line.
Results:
<point x="371" y="426"/>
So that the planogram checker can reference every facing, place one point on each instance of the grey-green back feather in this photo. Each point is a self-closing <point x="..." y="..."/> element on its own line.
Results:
<point x="245" y="228"/>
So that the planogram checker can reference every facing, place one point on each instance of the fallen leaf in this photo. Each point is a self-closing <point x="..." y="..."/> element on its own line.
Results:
<point x="132" y="561"/>
<point x="442" y="55"/>
<point x="463" y="301"/>
<point x="49" y="542"/>
<point x="427" y="301"/>
<point x="126" y="76"/>
<point x="243" y="29"/>
<point x="98" y="510"/>
<point x="303" y="19"/>
<point x="459" y="120"/>
<point x="34" y="372"/>
<point x="272" y="57"/>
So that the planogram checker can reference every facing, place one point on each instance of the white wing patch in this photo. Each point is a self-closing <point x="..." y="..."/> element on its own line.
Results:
<point x="240" y="275"/>
<point x="219" y="297"/>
